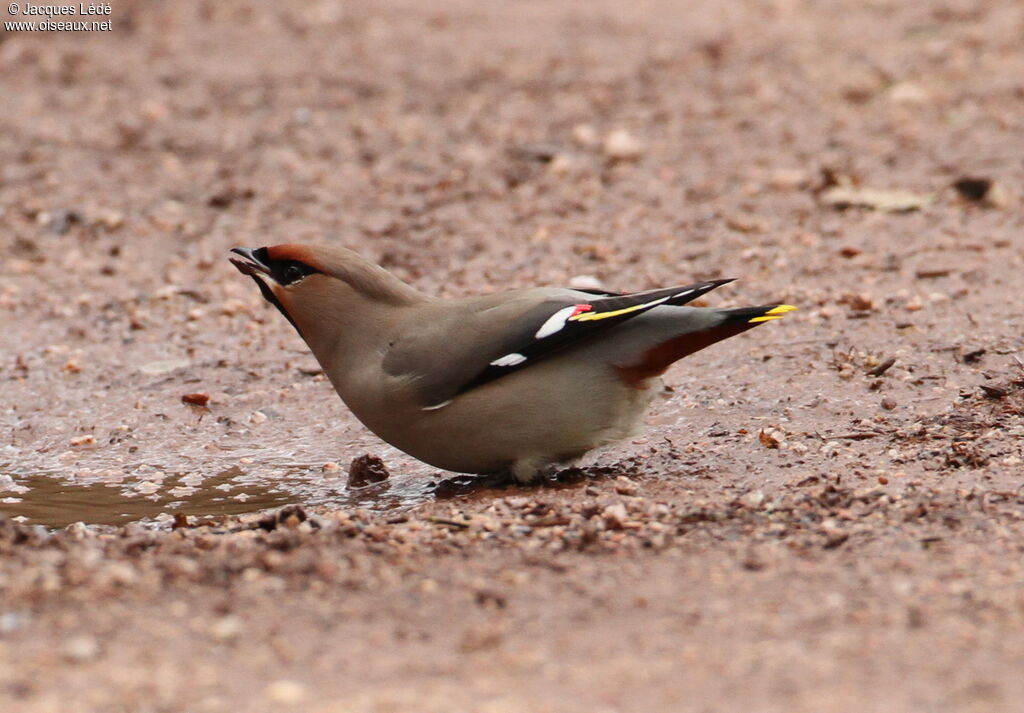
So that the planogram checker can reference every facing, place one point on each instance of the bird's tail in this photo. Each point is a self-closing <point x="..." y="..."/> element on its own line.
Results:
<point x="735" y="321"/>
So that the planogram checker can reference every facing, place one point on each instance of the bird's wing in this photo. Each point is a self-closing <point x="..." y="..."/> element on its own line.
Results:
<point x="476" y="346"/>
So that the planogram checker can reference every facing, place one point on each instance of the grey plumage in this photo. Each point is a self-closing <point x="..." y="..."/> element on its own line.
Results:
<point x="513" y="381"/>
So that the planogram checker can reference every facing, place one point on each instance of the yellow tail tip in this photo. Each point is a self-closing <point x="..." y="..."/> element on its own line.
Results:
<point x="773" y="313"/>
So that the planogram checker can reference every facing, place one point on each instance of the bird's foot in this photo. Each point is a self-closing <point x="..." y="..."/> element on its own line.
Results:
<point x="469" y="484"/>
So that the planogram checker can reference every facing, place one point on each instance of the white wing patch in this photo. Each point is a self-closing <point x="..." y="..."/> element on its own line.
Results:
<point x="509" y="360"/>
<point x="435" y="407"/>
<point x="555" y="322"/>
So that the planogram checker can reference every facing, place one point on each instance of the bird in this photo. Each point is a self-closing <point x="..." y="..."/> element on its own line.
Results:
<point x="514" y="383"/>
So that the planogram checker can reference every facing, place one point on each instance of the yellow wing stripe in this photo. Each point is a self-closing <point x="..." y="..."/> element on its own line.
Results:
<point x="591" y="316"/>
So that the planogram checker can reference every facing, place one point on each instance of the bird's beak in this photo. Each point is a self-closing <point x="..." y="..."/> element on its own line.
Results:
<point x="253" y="264"/>
<point x="250" y="264"/>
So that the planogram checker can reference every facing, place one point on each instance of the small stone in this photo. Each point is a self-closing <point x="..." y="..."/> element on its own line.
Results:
<point x="753" y="500"/>
<point x="79" y="649"/>
<point x="983" y="191"/>
<point x="226" y="628"/>
<point x="78" y="441"/>
<point x="78" y="530"/>
<point x="111" y="219"/>
<point x="744" y="223"/>
<point x="163" y="366"/>
<point x="889" y="403"/>
<point x="561" y="164"/>
<point x="909" y="93"/>
<point x="196" y="399"/>
<point x="8" y="484"/>
<point x="585" y="135"/>
<point x="622" y="145"/>
<point x="11" y="621"/>
<point x="625" y="486"/>
<point x="858" y="302"/>
<point x="330" y="467"/>
<point x="285" y="691"/>
<point x="614" y="516"/>
<point x="789" y="179"/>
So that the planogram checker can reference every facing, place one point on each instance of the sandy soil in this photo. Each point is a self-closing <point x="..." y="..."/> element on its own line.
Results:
<point x="826" y="514"/>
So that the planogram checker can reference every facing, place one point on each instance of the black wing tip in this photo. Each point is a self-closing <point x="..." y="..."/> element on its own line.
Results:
<point x="715" y="284"/>
<point x="688" y="293"/>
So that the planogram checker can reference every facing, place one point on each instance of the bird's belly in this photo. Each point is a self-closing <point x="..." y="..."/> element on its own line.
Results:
<point x="525" y="416"/>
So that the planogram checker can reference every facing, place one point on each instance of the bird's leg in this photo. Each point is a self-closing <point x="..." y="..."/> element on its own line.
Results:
<point x="466" y="484"/>
<point x="531" y="470"/>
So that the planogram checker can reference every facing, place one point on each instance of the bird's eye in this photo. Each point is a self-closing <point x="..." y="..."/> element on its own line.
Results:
<point x="292" y="273"/>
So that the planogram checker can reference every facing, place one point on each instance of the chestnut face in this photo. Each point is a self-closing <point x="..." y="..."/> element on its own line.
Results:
<point x="272" y="272"/>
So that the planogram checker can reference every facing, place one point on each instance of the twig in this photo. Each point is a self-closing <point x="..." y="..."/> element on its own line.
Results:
<point x="449" y="523"/>
<point x="883" y="367"/>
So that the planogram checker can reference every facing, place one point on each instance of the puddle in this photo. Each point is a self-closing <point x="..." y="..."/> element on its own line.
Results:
<point x="55" y="501"/>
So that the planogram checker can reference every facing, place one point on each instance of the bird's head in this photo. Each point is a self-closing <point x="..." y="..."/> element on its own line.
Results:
<point x="321" y="289"/>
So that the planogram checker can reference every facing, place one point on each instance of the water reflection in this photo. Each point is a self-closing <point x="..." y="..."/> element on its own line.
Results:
<point x="56" y="501"/>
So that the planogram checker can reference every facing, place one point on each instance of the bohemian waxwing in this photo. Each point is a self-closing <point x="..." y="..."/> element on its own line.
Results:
<point x="515" y="381"/>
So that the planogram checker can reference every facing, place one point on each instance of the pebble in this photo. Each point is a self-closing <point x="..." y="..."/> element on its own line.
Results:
<point x="8" y="484"/>
<point x="625" y="486"/>
<point x="614" y="516"/>
<point x="285" y="691"/>
<point x="909" y="93"/>
<point x="11" y="621"/>
<point x="79" y="649"/>
<point x="622" y="145"/>
<point x="585" y="135"/>
<point x="226" y="628"/>
<point x="163" y="366"/>
<point x="196" y="399"/>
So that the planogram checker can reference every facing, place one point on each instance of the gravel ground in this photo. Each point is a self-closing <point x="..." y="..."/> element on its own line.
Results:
<point x="825" y="514"/>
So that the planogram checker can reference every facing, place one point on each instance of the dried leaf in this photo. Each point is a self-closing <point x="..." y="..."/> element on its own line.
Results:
<point x="366" y="470"/>
<point x="889" y="201"/>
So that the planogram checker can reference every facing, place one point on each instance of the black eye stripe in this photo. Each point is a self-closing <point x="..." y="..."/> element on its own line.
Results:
<point x="287" y="272"/>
